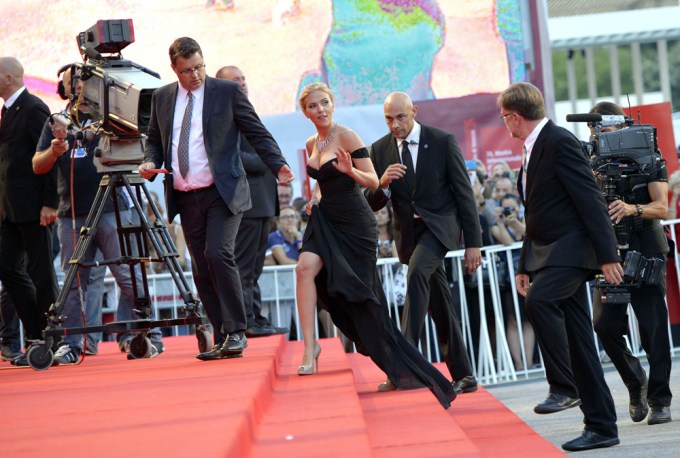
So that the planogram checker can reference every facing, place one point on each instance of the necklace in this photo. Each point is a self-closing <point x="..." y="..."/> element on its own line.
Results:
<point x="321" y="145"/>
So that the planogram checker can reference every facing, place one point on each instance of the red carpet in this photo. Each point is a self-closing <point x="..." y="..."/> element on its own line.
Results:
<point x="176" y="405"/>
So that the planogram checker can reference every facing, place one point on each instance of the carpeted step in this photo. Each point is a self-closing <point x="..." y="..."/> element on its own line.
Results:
<point x="412" y="423"/>
<point x="314" y="415"/>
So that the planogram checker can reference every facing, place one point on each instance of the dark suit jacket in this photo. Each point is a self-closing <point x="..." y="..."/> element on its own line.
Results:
<point x="22" y="192"/>
<point x="442" y="197"/>
<point x="226" y="113"/>
<point x="263" y="186"/>
<point x="567" y="222"/>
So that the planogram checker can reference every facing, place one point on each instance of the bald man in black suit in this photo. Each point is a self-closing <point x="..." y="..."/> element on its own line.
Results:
<point x="28" y="205"/>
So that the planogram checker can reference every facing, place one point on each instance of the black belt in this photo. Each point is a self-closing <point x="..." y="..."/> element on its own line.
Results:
<point x="199" y="190"/>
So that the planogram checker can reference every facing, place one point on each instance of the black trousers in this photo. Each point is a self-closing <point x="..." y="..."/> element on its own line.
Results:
<point x="557" y="307"/>
<point x="250" y="250"/>
<point x="33" y="288"/>
<point x="428" y="291"/>
<point x="611" y="320"/>
<point x="210" y="232"/>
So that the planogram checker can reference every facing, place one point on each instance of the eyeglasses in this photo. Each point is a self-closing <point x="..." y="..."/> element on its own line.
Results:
<point x="287" y="216"/>
<point x="189" y="71"/>
<point x="503" y="116"/>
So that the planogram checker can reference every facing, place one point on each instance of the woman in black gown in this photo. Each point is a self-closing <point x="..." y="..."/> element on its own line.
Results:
<point x="337" y="264"/>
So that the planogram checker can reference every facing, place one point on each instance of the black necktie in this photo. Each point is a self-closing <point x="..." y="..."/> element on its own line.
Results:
<point x="407" y="160"/>
<point x="2" y="114"/>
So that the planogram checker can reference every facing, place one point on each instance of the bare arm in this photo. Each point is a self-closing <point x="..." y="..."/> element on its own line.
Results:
<point x="656" y="209"/>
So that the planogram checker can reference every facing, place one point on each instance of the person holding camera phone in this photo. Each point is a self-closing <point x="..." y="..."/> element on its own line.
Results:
<point x="644" y="204"/>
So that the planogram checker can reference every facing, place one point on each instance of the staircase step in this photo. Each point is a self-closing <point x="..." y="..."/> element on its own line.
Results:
<point x="314" y="414"/>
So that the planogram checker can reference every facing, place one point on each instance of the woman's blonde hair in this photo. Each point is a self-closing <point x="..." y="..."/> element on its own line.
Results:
<point x="314" y="87"/>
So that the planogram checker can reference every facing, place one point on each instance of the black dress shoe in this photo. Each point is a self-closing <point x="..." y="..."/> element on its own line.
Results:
<point x="590" y="440"/>
<point x="386" y="386"/>
<point x="279" y="329"/>
<point x="21" y="360"/>
<point x="264" y="330"/>
<point x="659" y="415"/>
<point x="259" y="331"/>
<point x="216" y="353"/>
<point x="556" y="403"/>
<point x="235" y="344"/>
<point x="467" y="384"/>
<point x="638" y="408"/>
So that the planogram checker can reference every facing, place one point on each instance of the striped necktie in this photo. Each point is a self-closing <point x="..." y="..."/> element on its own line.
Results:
<point x="524" y="171"/>
<point x="183" y="145"/>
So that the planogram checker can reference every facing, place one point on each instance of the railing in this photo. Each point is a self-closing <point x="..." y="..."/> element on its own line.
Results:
<point x="487" y="343"/>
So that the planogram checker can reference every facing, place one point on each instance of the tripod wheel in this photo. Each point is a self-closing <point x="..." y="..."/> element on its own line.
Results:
<point x="204" y="340"/>
<point x="140" y="346"/>
<point x="40" y="357"/>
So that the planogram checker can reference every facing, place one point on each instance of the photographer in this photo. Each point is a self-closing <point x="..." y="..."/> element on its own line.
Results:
<point x="643" y="204"/>
<point x="73" y="159"/>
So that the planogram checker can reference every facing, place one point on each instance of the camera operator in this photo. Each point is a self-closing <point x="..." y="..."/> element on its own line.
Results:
<point x="644" y="203"/>
<point x="74" y="161"/>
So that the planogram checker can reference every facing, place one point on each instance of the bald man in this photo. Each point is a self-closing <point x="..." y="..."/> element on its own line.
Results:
<point x="28" y="204"/>
<point x="423" y="173"/>
<point x="253" y="231"/>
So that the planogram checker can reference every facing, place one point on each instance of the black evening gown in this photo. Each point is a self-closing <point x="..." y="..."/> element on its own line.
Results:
<point x="342" y="230"/>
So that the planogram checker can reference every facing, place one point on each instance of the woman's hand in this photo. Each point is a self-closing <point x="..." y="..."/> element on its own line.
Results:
<point x="344" y="163"/>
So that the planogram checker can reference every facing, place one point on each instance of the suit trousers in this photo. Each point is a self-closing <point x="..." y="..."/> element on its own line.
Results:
<point x="210" y="231"/>
<point x="33" y="289"/>
<point x="610" y="321"/>
<point x="250" y="250"/>
<point x="428" y="291"/>
<point x="557" y="307"/>
<point x="9" y="322"/>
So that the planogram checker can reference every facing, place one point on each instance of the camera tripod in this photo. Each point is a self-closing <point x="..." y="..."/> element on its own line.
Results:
<point x="135" y="252"/>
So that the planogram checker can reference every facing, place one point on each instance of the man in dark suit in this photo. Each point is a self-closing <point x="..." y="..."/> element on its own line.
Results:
<point x="569" y="236"/>
<point x="28" y="204"/>
<point x="422" y="171"/>
<point x="251" y="239"/>
<point x="194" y="130"/>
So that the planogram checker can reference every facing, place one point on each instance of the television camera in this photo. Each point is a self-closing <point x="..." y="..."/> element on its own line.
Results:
<point x="620" y="149"/>
<point x="116" y="93"/>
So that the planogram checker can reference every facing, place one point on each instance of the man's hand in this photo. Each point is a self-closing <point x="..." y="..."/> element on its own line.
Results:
<point x="613" y="272"/>
<point x="393" y="172"/>
<point x="48" y="215"/>
<point x="146" y="170"/>
<point x="522" y="284"/>
<point x="619" y="210"/>
<point x="285" y="175"/>
<point x="473" y="259"/>
<point x="59" y="146"/>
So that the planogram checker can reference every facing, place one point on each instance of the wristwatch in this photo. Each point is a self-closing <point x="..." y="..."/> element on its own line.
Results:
<point x="638" y="207"/>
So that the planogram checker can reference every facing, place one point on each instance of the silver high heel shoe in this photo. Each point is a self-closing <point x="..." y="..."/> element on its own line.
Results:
<point x="313" y="367"/>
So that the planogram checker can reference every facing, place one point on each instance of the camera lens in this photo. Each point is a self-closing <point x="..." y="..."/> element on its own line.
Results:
<point x="507" y="211"/>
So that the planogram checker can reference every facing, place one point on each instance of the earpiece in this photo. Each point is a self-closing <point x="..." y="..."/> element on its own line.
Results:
<point x="61" y="90"/>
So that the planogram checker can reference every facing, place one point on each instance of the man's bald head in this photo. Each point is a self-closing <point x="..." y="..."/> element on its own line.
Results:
<point x="11" y="76"/>
<point x="400" y="114"/>
<point x="233" y="73"/>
